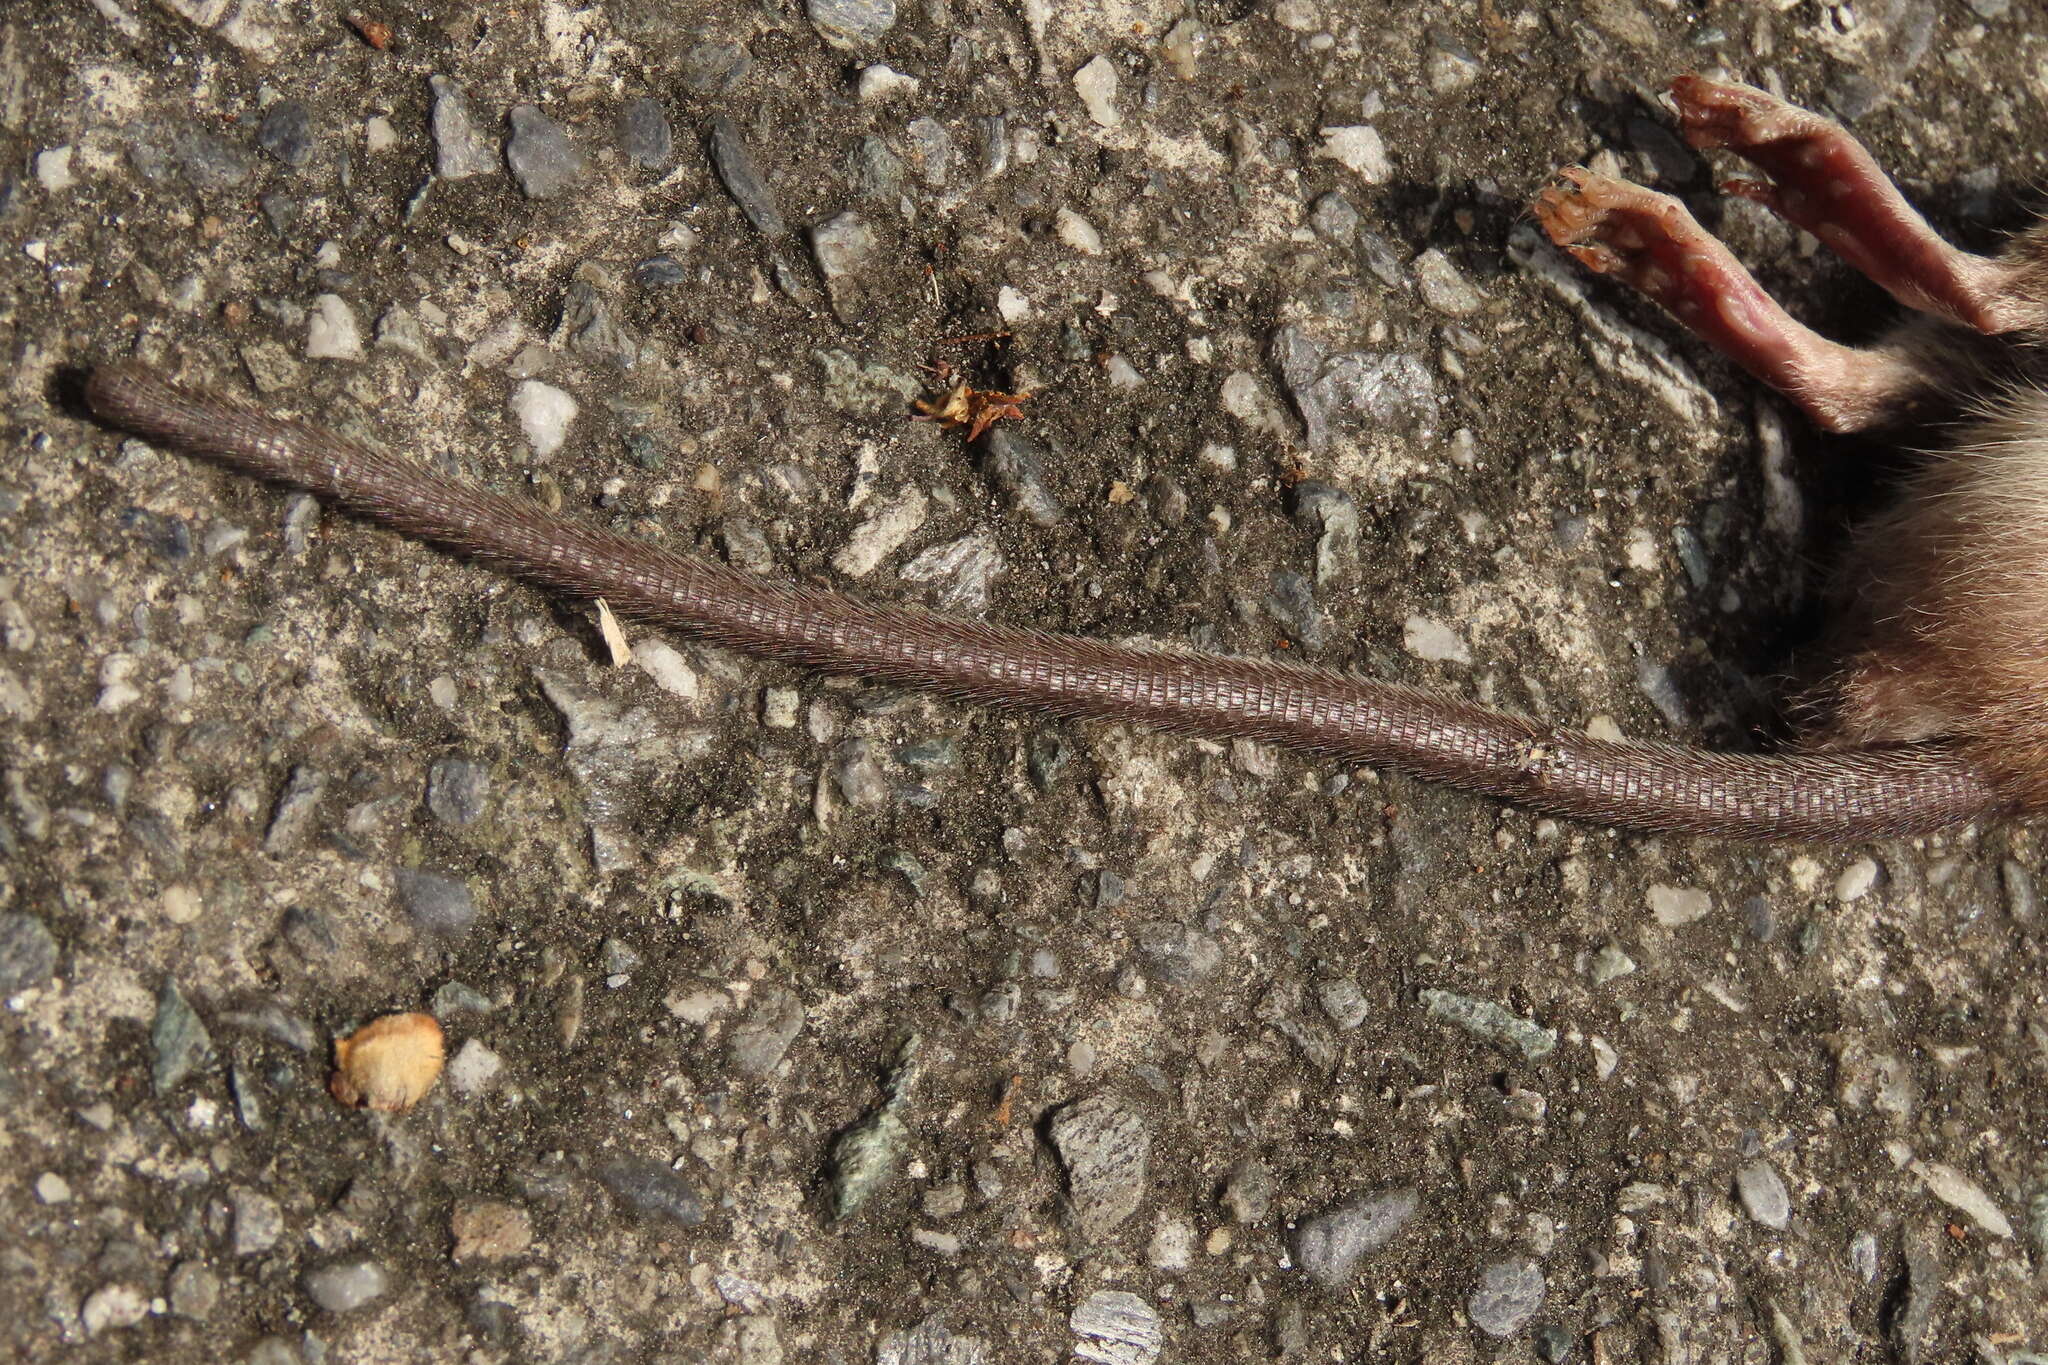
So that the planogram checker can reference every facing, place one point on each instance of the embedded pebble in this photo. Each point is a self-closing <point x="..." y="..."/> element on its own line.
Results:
<point x="1673" y="906"/>
<point x="931" y="1342"/>
<point x="842" y="245"/>
<point x="436" y="903"/>
<point x="348" y="1286"/>
<point x="1105" y="1146"/>
<point x="851" y="23"/>
<point x="1433" y="640"/>
<point x="457" y="790"/>
<point x="1172" y="1246"/>
<point x="1116" y="1328"/>
<point x="1509" y="1294"/>
<point x="286" y="132"/>
<point x="652" y="1190"/>
<point x="1077" y="232"/>
<point x="52" y="1188"/>
<point x="1183" y="46"/>
<point x="180" y="1040"/>
<point x="1330" y="1245"/>
<point x="1358" y="149"/>
<point x="1385" y="393"/>
<point x="1248" y="1191"/>
<point x="645" y="134"/>
<point x="259" y="1222"/>
<point x="543" y="159"/>
<point x="965" y="570"/>
<point x="53" y="170"/>
<point x="112" y="1307"/>
<point x="659" y="272"/>
<point x="1856" y="880"/>
<point x="474" y="1067"/>
<point x="1964" y="1195"/>
<point x="882" y="534"/>
<point x="1176" y="954"/>
<point x="880" y="82"/>
<point x="1763" y="1194"/>
<point x="1096" y="84"/>
<point x="1611" y="964"/>
<point x="487" y="1230"/>
<point x="1333" y="514"/>
<point x="737" y="171"/>
<point x="193" y="1291"/>
<point x="1443" y="287"/>
<point x="331" y="330"/>
<point x="544" y="413"/>
<point x="1016" y="465"/>
<point x="1344" y="1001"/>
<point x="764" y="1033"/>
<point x="462" y="147"/>
<point x="1492" y="1023"/>
<point x="28" y="953"/>
<point x="714" y="68"/>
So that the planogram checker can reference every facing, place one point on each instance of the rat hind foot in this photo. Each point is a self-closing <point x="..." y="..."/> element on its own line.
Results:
<point x="1824" y="180"/>
<point x="1652" y="243"/>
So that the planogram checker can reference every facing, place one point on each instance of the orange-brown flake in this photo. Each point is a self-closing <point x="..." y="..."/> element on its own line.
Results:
<point x="388" y="1064"/>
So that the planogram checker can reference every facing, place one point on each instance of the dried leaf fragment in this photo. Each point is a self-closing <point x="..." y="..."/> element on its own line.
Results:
<point x="388" y="1064"/>
<point x="976" y="410"/>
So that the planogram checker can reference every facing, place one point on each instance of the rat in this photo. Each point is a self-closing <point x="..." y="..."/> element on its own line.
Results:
<point x="1937" y="715"/>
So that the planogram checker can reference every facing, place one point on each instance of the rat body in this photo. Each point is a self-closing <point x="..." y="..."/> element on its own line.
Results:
<point x="1940" y="716"/>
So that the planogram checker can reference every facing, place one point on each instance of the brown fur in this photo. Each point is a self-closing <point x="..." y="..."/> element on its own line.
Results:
<point x="1948" y="618"/>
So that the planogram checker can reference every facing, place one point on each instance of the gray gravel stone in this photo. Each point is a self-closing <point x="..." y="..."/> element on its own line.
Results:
<point x="543" y="159"/>
<point x="734" y="162"/>
<point x="296" y="805"/>
<point x="857" y="773"/>
<point x="1330" y="1245"/>
<point x="1116" y="1328"/>
<point x="193" y="1291"/>
<point x="659" y="272"/>
<point x="931" y="150"/>
<point x="645" y="134"/>
<point x="931" y="1342"/>
<point x="714" y="68"/>
<point x="650" y="1189"/>
<point x="1105" y="1146"/>
<point x="275" y="1351"/>
<point x="1016" y="465"/>
<point x="874" y="171"/>
<point x="851" y="23"/>
<point x="111" y="1308"/>
<point x="436" y="903"/>
<point x="1333" y="216"/>
<point x="28" y="953"/>
<point x="1344" y="1001"/>
<point x="259" y="1222"/>
<point x="462" y="147"/>
<point x="458" y="790"/>
<point x="286" y="132"/>
<point x="1333" y="515"/>
<point x="347" y="1286"/>
<point x="1248" y="1191"/>
<point x="773" y="1019"/>
<point x="1509" y="1294"/>
<point x="1492" y="1023"/>
<point x="1763" y="1194"/>
<point x="180" y="1039"/>
<point x="1386" y="393"/>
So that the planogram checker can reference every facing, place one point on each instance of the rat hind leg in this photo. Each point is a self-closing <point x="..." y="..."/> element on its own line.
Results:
<point x="1652" y="243"/>
<point x="1824" y="180"/>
